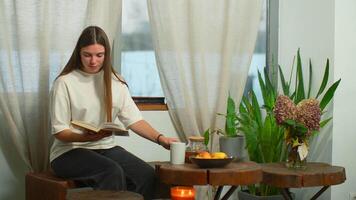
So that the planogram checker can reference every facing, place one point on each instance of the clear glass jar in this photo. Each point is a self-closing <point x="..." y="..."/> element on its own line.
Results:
<point x="195" y="145"/>
<point x="294" y="159"/>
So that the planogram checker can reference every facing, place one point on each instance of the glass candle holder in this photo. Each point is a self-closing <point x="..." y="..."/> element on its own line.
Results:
<point x="182" y="193"/>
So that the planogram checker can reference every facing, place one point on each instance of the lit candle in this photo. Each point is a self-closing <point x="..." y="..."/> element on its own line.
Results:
<point x="182" y="193"/>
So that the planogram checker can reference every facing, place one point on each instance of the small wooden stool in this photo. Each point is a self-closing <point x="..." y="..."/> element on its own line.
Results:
<point x="104" y="195"/>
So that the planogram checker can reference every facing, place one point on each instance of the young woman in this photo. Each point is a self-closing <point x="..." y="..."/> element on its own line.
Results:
<point x="88" y="89"/>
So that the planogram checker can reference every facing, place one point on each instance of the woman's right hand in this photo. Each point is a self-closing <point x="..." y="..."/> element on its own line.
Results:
<point x="93" y="136"/>
<point x="166" y="141"/>
<point x="69" y="136"/>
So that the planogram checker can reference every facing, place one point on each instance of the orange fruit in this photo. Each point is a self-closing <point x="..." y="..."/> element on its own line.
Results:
<point x="204" y="154"/>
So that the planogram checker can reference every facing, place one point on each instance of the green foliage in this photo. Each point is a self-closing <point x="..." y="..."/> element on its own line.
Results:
<point x="231" y="118"/>
<point x="299" y="92"/>
<point x="206" y="137"/>
<point x="264" y="138"/>
<point x="230" y="123"/>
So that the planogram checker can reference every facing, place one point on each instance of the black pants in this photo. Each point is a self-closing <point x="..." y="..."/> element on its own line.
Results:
<point x="106" y="169"/>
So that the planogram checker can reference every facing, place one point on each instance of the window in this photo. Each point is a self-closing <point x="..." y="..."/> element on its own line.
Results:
<point x="138" y="52"/>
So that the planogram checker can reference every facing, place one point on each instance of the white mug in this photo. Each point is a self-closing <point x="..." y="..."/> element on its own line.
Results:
<point x="177" y="153"/>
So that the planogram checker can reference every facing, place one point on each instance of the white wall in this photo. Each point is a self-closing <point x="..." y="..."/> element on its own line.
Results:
<point x="326" y="29"/>
<point x="145" y="149"/>
<point x="344" y="132"/>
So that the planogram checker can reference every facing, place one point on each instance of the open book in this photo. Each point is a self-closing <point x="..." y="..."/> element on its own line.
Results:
<point x="107" y="126"/>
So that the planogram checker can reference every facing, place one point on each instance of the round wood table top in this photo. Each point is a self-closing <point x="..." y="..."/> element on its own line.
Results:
<point x="235" y="173"/>
<point x="316" y="174"/>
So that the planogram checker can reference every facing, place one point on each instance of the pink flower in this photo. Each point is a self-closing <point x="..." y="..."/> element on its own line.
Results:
<point x="284" y="109"/>
<point x="309" y="114"/>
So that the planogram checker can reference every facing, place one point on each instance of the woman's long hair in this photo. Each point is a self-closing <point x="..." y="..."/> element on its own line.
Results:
<point x="95" y="35"/>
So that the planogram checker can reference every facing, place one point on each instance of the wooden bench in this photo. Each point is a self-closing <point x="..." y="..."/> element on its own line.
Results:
<point x="47" y="186"/>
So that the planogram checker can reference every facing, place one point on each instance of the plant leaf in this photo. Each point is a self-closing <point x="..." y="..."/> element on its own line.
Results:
<point x="263" y="87"/>
<point x="285" y="85"/>
<point x="325" y="79"/>
<point x="290" y="122"/>
<point x="230" y="123"/>
<point x="256" y="109"/>
<point x="271" y="92"/>
<point x="310" y="78"/>
<point x="206" y="137"/>
<point x="300" y="95"/>
<point x="242" y="108"/>
<point x="292" y="96"/>
<point x="324" y="122"/>
<point x="329" y="95"/>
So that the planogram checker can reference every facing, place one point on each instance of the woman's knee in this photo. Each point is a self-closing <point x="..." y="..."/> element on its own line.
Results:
<point x="148" y="170"/>
<point x="114" y="170"/>
<point x="148" y="173"/>
<point x="111" y="177"/>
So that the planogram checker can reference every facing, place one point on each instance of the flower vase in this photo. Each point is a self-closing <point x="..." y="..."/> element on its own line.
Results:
<point x="297" y="156"/>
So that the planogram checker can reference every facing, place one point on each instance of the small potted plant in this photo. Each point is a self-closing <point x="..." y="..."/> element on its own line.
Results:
<point x="230" y="141"/>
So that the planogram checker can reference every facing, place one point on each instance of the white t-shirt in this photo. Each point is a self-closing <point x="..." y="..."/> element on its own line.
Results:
<point x="80" y="96"/>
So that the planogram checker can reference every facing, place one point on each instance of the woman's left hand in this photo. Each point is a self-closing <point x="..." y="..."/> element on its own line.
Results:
<point x="166" y="141"/>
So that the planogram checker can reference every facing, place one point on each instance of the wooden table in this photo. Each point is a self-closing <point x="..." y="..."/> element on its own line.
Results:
<point x="234" y="174"/>
<point x="316" y="174"/>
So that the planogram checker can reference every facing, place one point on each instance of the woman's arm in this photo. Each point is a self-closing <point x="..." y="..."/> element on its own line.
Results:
<point x="69" y="136"/>
<point x="145" y="130"/>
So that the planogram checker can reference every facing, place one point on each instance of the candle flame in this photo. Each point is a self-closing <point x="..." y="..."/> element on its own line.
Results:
<point x="182" y="192"/>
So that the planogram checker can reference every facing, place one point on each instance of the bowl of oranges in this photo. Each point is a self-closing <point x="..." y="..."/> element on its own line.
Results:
<point x="205" y="159"/>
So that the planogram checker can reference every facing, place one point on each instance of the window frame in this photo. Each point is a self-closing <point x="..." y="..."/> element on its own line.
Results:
<point x="150" y="103"/>
<point x="272" y="40"/>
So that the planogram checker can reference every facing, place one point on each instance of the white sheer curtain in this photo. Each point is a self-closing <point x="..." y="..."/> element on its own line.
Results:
<point x="36" y="39"/>
<point x="203" y="52"/>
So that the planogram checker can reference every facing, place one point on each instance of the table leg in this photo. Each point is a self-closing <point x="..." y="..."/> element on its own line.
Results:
<point x="286" y="194"/>
<point x="218" y="193"/>
<point x="227" y="195"/>
<point x="320" y="192"/>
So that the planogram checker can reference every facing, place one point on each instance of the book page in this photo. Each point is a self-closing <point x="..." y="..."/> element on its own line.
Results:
<point x="85" y="125"/>
<point x="107" y="126"/>
<point x="111" y="125"/>
<point x="115" y="128"/>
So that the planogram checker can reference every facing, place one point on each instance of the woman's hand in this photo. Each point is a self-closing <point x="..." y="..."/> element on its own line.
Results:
<point x="68" y="136"/>
<point x="166" y="141"/>
<point x="92" y="136"/>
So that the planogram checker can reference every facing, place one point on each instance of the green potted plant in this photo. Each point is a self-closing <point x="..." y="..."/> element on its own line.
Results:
<point x="265" y="138"/>
<point x="230" y="141"/>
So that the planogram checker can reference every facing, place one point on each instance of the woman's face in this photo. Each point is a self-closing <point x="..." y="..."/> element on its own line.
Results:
<point x="92" y="58"/>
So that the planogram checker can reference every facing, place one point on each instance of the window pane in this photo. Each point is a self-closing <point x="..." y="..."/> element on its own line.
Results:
<point x="259" y="57"/>
<point x="138" y="63"/>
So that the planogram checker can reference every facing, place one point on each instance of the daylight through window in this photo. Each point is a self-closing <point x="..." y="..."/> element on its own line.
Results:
<point x="138" y="64"/>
